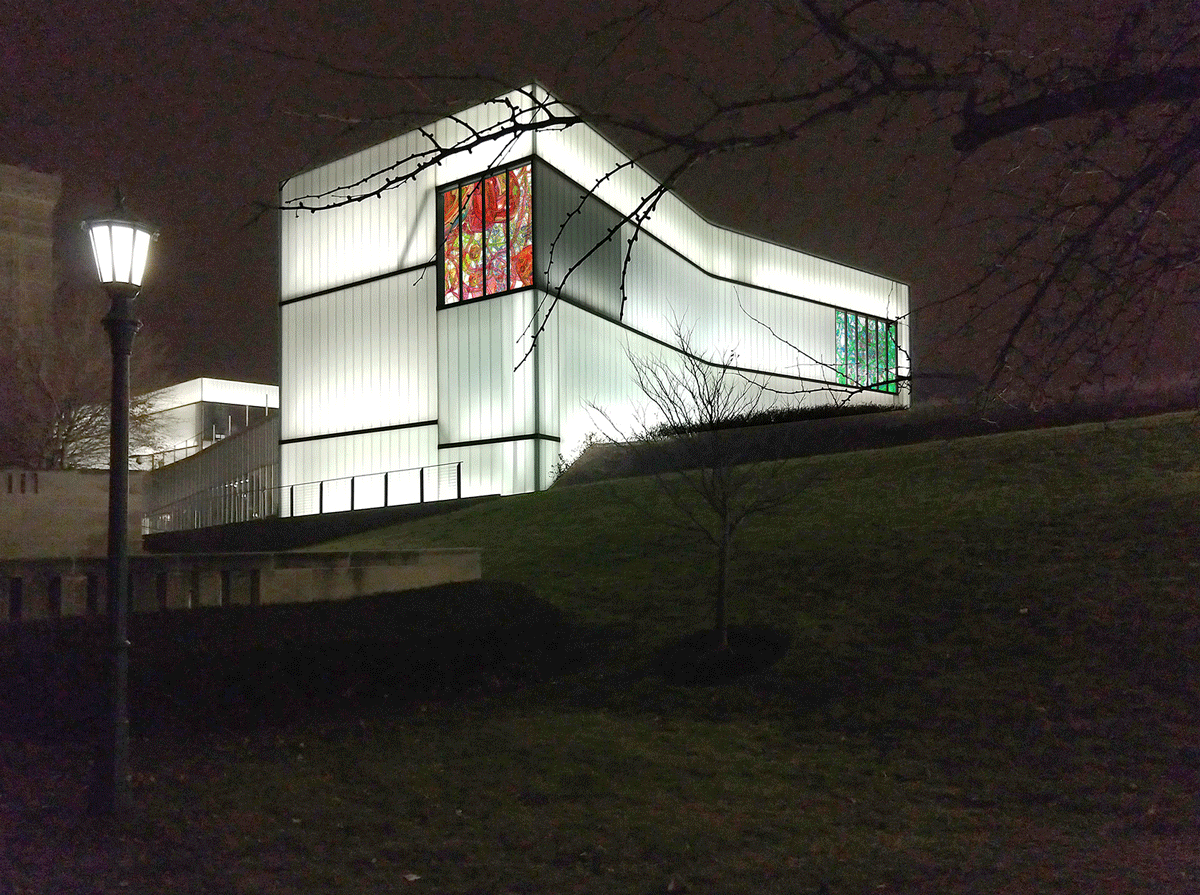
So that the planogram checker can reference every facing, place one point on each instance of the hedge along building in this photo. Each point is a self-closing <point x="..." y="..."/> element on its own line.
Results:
<point x="458" y="301"/>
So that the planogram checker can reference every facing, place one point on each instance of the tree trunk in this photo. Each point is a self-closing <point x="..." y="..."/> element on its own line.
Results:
<point x="721" y="622"/>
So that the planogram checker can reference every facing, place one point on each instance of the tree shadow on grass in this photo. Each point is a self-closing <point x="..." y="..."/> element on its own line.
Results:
<point x="694" y="660"/>
<point x="240" y="667"/>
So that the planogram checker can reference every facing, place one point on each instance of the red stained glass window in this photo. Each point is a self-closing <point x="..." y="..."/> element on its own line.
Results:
<point x="451" y="245"/>
<point x="487" y="236"/>
<point x="472" y="242"/>
<point x="520" y="224"/>
<point x="495" y="194"/>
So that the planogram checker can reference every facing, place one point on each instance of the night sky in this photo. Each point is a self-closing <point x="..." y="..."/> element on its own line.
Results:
<point x="201" y="109"/>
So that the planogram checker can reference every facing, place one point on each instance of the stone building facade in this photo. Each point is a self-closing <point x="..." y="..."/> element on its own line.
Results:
<point x="27" y="278"/>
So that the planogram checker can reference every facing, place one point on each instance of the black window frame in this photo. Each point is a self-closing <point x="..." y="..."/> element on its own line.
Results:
<point x="480" y="179"/>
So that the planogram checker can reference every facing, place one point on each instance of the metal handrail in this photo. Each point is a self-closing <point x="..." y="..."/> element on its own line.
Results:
<point x="241" y="502"/>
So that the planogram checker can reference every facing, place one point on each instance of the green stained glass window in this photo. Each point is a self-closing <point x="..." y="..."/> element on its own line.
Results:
<point x="892" y="356"/>
<point x="487" y="236"/>
<point x="839" y="335"/>
<point x="865" y="351"/>
<point x="872" y="336"/>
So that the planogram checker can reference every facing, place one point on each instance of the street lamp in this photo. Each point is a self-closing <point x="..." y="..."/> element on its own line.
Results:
<point x="120" y="247"/>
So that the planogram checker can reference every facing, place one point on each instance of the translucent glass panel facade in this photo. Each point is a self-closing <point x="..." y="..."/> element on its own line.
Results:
<point x="591" y="160"/>
<point x="580" y="243"/>
<point x="866" y="350"/>
<point x="484" y="391"/>
<point x="234" y="480"/>
<point x="411" y="300"/>
<point x="487" y="236"/>
<point x="362" y="357"/>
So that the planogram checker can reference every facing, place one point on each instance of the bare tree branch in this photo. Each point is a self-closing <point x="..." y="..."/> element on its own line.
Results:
<point x="1118" y="95"/>
<point x="1097" y="227"/>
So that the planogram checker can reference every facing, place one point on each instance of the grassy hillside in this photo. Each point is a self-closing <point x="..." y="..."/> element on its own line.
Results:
<point x="992" y="685"/>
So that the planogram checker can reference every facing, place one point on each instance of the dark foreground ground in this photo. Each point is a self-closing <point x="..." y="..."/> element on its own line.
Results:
<point x="972" y="667"/>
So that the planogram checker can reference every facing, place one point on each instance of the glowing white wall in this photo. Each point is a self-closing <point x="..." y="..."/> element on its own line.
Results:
<point x="759" y="330"/>
<point x="492" y="116"/>
<point x="589" y="159"/>
<point x="398" y="228"/>
<point x="585" y="365"/>
<point x="357" y="455"/>
<point x="377" y="207"/>
<point x="508" y="467"/>
<point x="587" y="378"/>
<point x="484" y="391"/>
<point x="361" y="358"/>
<point x="351" y="242"/>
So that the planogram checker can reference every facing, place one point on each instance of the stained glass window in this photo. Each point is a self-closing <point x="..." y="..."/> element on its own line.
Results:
<point x="472" y="241"/>
<point x="865" y="351"/>
<point x="487" y="236"/>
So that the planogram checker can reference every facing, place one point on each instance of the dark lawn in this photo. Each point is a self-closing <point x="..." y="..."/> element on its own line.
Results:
<point x="988" y="683"/>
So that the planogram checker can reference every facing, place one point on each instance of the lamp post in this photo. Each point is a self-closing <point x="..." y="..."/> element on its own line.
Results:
<point x="120" y="247"/>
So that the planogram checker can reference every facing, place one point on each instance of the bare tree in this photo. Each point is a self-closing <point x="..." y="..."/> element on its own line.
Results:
<point x="1086" y="120"/>
<point x="54" y="403"/>
<point x="713" y="484"/>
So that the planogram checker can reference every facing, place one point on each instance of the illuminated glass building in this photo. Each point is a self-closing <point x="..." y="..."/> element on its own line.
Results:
<point x="450" y="323"/>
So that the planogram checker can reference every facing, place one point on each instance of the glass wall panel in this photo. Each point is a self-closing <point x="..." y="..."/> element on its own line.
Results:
<point x="872" y="332"/>
<point x="855" y="343"/>
<point x="451" y="246"/>
<point x="893" y="357"/>
<point x="839" y="341"/>
<point x="495" y="211"/>
<point x="520" y="227"/>
<point x="472" y="241"/>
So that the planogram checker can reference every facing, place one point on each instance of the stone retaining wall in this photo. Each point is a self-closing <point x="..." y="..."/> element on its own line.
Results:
<point x="53" y="588"/>
<point x="62" y="513"/>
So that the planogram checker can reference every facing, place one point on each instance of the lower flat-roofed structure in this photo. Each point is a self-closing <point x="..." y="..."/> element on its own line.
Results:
<point x="187" y="417"/>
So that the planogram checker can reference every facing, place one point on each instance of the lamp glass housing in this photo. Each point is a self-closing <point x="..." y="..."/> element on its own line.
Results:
<point x="120" y="249"/>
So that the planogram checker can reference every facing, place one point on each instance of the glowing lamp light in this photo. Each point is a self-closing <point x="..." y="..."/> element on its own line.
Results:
<point x="120" y="247"/>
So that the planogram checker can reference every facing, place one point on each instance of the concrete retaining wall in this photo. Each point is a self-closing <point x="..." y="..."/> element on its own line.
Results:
<point x="53" y="588"/>
<point x="62" y="513"/>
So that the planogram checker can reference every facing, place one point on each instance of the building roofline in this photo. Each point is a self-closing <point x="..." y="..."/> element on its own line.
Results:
<point x="530" y="88"/>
